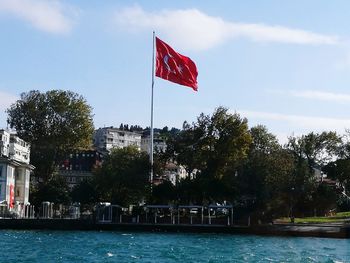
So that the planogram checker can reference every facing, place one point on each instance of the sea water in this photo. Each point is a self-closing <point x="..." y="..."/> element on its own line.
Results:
<point x="60" y="246"/>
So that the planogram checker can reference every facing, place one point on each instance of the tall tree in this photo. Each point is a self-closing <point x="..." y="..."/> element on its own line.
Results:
<point x="123" y="177"/>
<point x="311" y="151"/>
<point x="54" y="190"/>
<point x="214" y="145"/>
<point x="54" y="123"/>
<point x="259" y="166"/>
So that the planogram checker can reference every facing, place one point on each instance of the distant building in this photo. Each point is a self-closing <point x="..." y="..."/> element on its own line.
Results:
<point x="159" y="144"/>
<point x="173" y="173"/>
<point x="106" y="139"/>
<point x="15" y="169"/>
<point x="79" y="166"/>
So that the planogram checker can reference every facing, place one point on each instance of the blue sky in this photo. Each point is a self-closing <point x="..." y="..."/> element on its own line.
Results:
<point x="282" y="64"/>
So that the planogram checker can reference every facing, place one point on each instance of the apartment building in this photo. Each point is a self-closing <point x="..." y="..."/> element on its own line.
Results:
<point x="159" y="144"/>
<point x="15" y="169"/>
<point x="106" y="139"/>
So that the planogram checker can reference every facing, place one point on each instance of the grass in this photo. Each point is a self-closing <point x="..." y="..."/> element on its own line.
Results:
<point x="337" y="218"/>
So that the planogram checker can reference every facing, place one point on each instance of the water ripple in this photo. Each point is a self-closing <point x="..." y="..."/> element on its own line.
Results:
<point x="56" y="246"/>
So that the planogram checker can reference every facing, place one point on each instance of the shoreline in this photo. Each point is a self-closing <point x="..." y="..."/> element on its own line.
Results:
<point x="287" y="230"/>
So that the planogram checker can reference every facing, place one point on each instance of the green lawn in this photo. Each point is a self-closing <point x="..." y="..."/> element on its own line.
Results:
<point x="338" y="218"/>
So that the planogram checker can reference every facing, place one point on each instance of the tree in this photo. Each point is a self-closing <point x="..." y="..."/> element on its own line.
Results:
<point x="123" y="177"/>
<point x="54" y="190"/>
<point x="164" y="193"/>
<point x="84" y="193"/>
<point x="54" y="123"/>
<point x="215" y="146"/>
<point x="258" y="166"/>
<point x="317" y="149"/>
<point x="311" y="151"/>
<point x="264" y="179"/>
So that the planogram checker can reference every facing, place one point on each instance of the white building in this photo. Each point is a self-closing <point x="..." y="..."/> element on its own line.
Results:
<point x="109" y="138"/>
<point x="174" y="173"/>
<point x="158" y="144"/>
<point x="4" y="143"/>
<point x="14" y="169"/>
<point x="19" y="149"/>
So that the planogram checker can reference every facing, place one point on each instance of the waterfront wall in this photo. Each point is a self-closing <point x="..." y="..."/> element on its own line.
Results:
<point x="307" y="230"/>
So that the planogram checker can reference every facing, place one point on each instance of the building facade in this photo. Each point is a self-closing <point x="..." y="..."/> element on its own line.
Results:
<point x="106" y="139"/>
<point x="15" y="169"/>
<point x="159" y="144"/>
<point x="79" y="166"/>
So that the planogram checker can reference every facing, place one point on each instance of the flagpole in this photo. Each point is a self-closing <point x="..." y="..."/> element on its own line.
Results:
<point x="152" y="134"/>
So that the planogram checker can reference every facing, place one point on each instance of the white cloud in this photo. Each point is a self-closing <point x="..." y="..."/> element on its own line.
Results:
<point x="48" y="16"/>
<point x="299" y="123"/>
<point x="193" y="29"/>
<point x="315" y="95"/>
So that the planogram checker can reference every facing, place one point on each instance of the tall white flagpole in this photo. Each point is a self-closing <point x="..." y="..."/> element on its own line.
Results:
<point x="152" y="134"/>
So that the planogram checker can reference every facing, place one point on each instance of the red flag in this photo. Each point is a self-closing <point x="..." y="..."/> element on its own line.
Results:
<point x="175" y="67"/>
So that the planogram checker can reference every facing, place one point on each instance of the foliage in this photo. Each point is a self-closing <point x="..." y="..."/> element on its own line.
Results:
<point x="214" y="146"/>
<point x="84" y="193"/>
<point x="265" y="179"/>
<point x="315" y="148"/>
<point x="124" y="177"/>
<point x="54" y="123"/>
<point x="164" y="193"/>
<point x="311" y="152"/>
<point x="228" y="162"/>
<point x="341" y="217"/>
<point x="54" y="190"/>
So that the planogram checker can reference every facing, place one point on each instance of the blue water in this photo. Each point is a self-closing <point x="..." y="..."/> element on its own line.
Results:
<point x="56" y="246"/>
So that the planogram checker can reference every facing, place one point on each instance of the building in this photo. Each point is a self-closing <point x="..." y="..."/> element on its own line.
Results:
<point x="4" y="143"/>
<point x="15" y="169"/>
<point x="174" y="172"/>
<point x="105" y="139"/>
<point x="79" y="166"/>
<point x="159" y="144"/>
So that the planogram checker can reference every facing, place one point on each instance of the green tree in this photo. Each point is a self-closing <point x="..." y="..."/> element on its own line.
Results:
<point x="316" y="148"/>
<point x="311" y="151"/>
<point x="84" y="193"/>
<point x="54" y="123"/>
<point x="164" y="193"/>
<point x="265" y="178"/>
<point x="215" y="145"/>
<point x="124" y="177"/>
<point x="54" y="190"/>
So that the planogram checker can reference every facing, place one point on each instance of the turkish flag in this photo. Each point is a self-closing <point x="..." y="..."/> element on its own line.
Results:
<point x="175" y="67"/>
